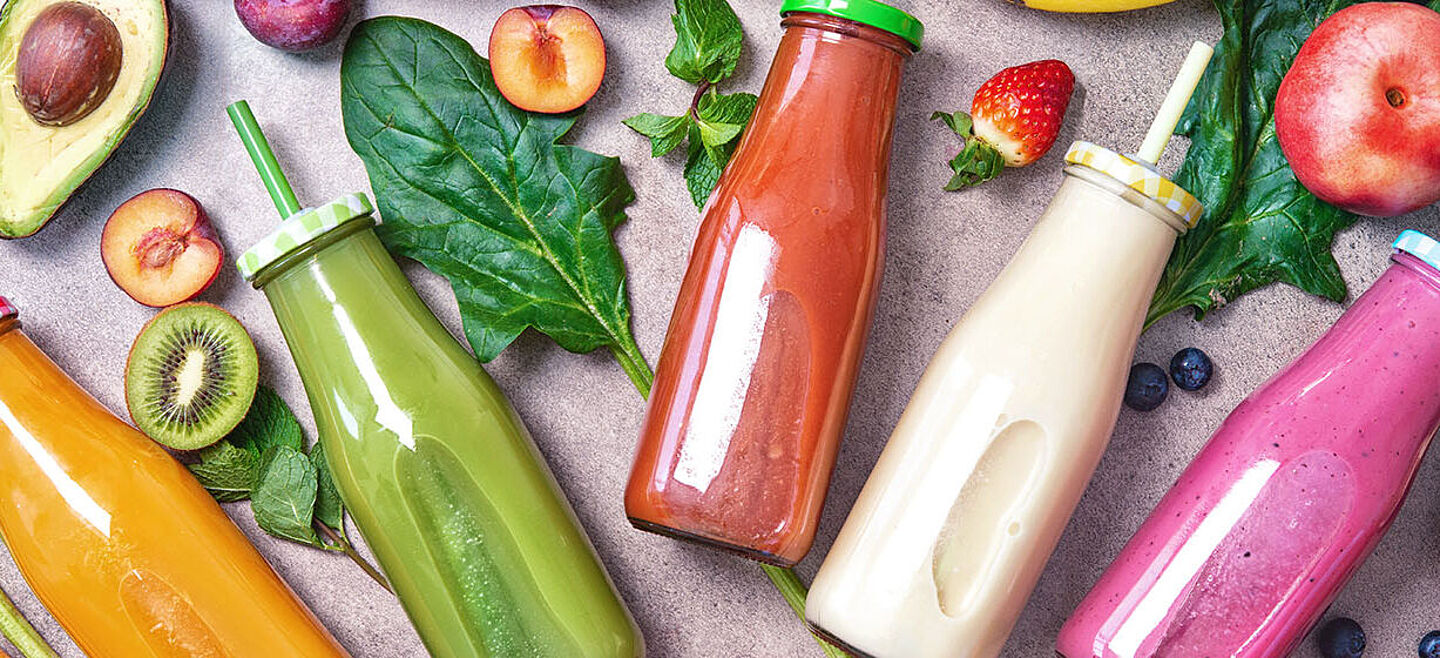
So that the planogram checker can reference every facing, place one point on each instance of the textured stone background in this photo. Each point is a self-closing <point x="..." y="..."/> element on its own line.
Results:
<point x="943" y="250"/>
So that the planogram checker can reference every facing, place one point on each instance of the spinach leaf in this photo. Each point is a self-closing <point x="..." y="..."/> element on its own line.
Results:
<point x="707" y="41"/>
<point x="479" y="192"/>
<point x="1260" y="225"/>
<point x="284" y="499"/>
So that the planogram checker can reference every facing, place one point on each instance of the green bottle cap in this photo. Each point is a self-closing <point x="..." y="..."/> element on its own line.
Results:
<point x="869" y="12"/>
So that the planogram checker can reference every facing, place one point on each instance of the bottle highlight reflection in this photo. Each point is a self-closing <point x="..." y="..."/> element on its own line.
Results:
<point x="118" y="540"/>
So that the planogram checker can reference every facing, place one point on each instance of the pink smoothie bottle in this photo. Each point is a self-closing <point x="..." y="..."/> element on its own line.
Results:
<point x="1275" y="514"/>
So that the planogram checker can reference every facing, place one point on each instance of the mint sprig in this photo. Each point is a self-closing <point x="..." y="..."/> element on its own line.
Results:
<point x="292" y="494"/>
<point x="708" y="43"/>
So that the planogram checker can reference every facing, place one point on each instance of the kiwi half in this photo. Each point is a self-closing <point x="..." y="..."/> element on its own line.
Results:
<point x="191" y="376"/>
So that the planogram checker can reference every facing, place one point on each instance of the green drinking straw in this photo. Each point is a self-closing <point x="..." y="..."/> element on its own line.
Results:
<point x="259" y="149"/>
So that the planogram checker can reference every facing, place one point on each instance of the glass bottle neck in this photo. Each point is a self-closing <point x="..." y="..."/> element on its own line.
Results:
<point x="847" y="28"/>
<point x="348" y="266"/>
<point x="1422" y="269"/>
<point x="1110" y="184"/>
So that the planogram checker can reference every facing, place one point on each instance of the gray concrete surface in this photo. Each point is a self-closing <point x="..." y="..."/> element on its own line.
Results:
<point x="943" y="250"/>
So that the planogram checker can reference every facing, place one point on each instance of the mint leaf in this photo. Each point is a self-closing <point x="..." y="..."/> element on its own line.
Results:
<point x="713" y="138"/>
<point x="708" y="40"/>
<point x="721" y="119"/>
<point x="328" y="507"/>
<point x="284" y="499"/>
<point x="1260" y="225"/>
<point x="665" y="132"/>
<point x="702" y="172"/>
<point x="227" y="472"/>
<point x="269" y="423"/>
<point x="714" y="134"/>
<point x="479" y="192"/>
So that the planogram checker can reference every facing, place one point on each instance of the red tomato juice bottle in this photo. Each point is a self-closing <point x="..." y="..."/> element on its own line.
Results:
<point x="758" y="367"/>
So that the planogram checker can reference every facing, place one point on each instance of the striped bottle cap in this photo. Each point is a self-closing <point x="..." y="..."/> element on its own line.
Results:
<point x="300" y="229"/>
<point x="1138" y="177"/>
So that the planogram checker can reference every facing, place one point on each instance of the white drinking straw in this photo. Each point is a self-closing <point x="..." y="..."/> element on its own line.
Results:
<point x="1175" y="101"/>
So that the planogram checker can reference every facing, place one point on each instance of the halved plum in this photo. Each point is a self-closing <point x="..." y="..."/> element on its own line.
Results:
<point x="547" y="58"/>
<point x="160" y="248"/>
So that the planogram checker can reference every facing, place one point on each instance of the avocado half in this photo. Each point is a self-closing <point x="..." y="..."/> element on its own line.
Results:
<point x="42" y="166"/>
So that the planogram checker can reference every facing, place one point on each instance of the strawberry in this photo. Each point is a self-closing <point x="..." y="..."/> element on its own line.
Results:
<point x="1013" y="120"/>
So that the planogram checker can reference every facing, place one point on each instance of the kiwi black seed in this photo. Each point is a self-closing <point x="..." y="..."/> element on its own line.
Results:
<point x="191" y="376"/>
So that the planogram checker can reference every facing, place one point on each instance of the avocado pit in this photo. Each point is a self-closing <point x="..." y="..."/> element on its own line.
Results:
<point x="68" y="62"/>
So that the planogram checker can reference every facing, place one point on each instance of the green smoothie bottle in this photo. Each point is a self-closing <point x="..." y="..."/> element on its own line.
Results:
<point x="442" y="478"/>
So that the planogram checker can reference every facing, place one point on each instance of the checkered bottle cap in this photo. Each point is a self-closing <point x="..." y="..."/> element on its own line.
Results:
<point x="1138" y="177"/>
<point x="1419" y="245"/>
<point x="7" y="310"/>
<point x="300" y="229"/>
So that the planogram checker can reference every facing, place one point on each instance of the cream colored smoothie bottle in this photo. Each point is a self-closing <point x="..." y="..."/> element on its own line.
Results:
<point x="971" y="494"/>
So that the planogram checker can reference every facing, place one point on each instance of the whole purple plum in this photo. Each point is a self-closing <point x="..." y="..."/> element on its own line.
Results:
<point x="293" y="25"/>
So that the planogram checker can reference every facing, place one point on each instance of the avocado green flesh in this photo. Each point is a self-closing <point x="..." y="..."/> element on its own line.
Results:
<point x="41" y="166"/>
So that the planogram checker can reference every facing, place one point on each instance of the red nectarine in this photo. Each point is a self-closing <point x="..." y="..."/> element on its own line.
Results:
<point x="1358" y="114"/>
<point x="160" y="249"/>
<point x="547" y="58"/>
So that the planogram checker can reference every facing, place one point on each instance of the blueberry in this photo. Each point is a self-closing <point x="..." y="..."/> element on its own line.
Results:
<point x="1430" y="645"/>
<point x="1147" y="387"/>
<point x="1341" y="637"/>
<point x="1191" y="369"/>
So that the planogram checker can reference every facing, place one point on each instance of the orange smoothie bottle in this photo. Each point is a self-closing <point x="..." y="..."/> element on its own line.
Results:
<point x="118" y="540"/>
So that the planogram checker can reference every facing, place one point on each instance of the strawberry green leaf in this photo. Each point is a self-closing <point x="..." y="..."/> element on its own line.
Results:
<point x="959" y="122"/>
<point x="1260" y="224"/>
<point x="707" y="41"/>
<point x="977" y="162"/>
<point x="480" y="193"/>
<point x="665" y="132"/>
